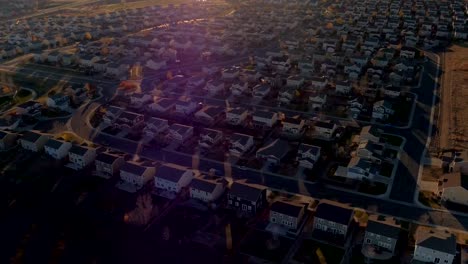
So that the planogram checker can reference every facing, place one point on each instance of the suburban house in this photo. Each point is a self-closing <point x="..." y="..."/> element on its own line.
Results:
<point x="295" y="81"/>
<point x="195" y="82"/>
<point x="287" y="214"/>
<point x="238" y="87"/>
<point x="155" y="126"/>
<point x="185" y="107"/>
<point x="274" y="151"/>
<point x="59" y="101"/>
<point x="332" y="221"/>
<point x="434" y="246"/>
<point x="236" y="116"/>
<point x="325" y="129"/>
<point x="33" y="141"/>
<point x="56" y="148"/>
<point x="240" y="144"/>
<point x="80" y="157"/>
<point x="248" y="198"/>
<point x="382" y="110"/>
<point x="136" y="174"/>
<point x="286" y="96"/>
<point x="319" y="82"/>
<point x="263" y="119"/>
<point x="358" y="169"/>
<point x="163" y="105"/>
<point x="180" y="132"/>
<point x="32" y="108"/>
<point x="343" y="87"/>
<point x="172" y="178"/>
<point x="210" y="138"/>
<point x="454" y="188"/>
<point x="260" y="91"/>
<point x="293" y="126"/>
<point x="210" y="115"/>
<point x="214" y="86"/>
<point x="370" y="133"/>
<point x="206" y="190"/>
<point x="7" y="140"/>
<point x="140" y="99"/>
<point x="111" y="114"/>
<point x="317" y="101"/>
<point x="307" y="155"/>
<point x="129" y="120"/>
<point x="230" y="74"/>
<point x="381" y="237"/>
<point x="370" y="150"/>
<point x="108" y="164"/>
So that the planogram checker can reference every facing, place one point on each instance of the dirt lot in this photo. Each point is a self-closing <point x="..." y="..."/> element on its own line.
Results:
<point x="453" y="122"/>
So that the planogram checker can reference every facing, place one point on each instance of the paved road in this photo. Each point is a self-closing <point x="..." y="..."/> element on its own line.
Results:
<point x="404" y="185"/>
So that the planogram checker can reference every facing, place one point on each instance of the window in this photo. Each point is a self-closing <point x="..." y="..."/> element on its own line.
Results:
<point x="436" y="260"/>
<point x="368" y="241"/>
<point x="244" y="207"/>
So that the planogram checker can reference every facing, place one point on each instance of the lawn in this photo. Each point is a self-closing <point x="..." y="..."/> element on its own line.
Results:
<point x="312" y="251"/>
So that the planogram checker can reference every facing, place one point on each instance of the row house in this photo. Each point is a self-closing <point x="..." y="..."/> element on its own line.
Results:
<point x="136" y="174"/>
<point x="172" y="178"/>
<point x="236" y="116"/>
<point x="210" y="138"/>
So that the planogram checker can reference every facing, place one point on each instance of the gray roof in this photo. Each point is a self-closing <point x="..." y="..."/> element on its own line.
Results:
<point x="277" y="148"/>
<point x="246" y="191"/>
<point x="442" y="241"/>
<point x="133" y="168"/>
<point x="78" y="150"/>
<point x="314" y="150"/>
<point x="53" y="143"/>
<point x="170" y="173"/>
<point x="31" y="136"/>
<point x="203" y="185"/>
<point x="286" y="208"/>
<point x="106" y="158"/>
<point x="328" y="125"/>
<point x="334" y="212"/>
<point x="384" y="226"/>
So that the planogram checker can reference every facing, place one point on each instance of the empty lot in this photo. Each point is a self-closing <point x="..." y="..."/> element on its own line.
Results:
<point x="453" y="122"/>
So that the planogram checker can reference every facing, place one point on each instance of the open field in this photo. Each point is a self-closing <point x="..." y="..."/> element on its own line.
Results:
<point x="453" y="118"/>
<point x="94" y="9"/>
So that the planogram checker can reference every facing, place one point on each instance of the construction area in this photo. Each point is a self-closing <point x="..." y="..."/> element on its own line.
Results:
<point x="453" y="109"/>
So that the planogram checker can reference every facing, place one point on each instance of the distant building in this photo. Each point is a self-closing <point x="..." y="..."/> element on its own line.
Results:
<point x="33" y="141"/>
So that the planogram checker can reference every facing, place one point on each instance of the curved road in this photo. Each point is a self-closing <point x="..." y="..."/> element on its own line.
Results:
<point x="400" y="203"/>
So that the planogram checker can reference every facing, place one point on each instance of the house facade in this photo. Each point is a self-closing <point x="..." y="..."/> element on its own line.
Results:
<point x="172" y="179"/>
<point x="57" y="149"/>
<point x="206" y="190"/>
<point x="246" y="197"/>
<point x="286" y="214"/>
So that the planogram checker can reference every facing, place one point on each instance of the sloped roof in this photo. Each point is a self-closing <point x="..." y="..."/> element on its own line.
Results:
<point x="170" y="173"/>
<point x="334" y="212"/>
<point x="384" y="226"/>
<point x="246" y="191"/>
<point x="442" y="241"/>
<point x="277" y="148"/>
<point x="287" y="208"/>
